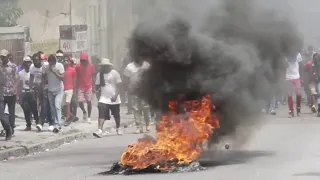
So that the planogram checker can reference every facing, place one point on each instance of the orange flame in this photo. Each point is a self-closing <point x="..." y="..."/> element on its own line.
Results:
<point x="179" y="138"/>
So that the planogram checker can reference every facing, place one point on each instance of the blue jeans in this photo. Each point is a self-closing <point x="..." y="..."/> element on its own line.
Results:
<point x="55" y="100"/>
<point x="45" y="113"/>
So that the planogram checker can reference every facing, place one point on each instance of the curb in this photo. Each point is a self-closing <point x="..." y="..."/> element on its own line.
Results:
<point x="21" y="151"/>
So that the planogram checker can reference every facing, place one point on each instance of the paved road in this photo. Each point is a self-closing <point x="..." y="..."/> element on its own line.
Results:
<point x="281" y="149"/>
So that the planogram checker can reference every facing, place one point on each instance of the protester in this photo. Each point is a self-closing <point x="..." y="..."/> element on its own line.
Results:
<point x="29" y="103"/>
<point x="39" y="86"/>
<point x="125" y="87"/>
<point x="309" y="68"/>
<point x="59" y="55"/>
<point x="74" y="100"/>
<point x="55" y="74"/>
<point x="316" y="65"/>
<point x="294" y="83"/>
<point x="69" y="81"/>
<point x="108" y="82"/>
<point x="85" y="76"/>
<point x="134" y="69"/>
<point x="4" y="121"/>
<point x="10" y="71"/>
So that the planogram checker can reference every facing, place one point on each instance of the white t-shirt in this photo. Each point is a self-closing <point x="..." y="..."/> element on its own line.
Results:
<point x="132" y="69"/>
<point x="25" y="78"/>
<point x="293" y="68"/>
<point x="109" y="90"/>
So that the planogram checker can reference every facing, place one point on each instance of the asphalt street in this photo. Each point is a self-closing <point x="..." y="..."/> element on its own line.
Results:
<point x="280" y="149"/>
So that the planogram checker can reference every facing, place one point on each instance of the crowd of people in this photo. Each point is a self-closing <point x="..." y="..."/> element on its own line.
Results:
<point x="52" y="87"/>
<point x="302" y="73"/>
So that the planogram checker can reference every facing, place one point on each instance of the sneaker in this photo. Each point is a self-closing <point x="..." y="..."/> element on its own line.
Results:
<point x="27" y="128"/>
<point x="272" y="112"/>
<point x="313" y="109"/>
<point x="51" y="128"/>
<point x="56" y="130"/>
<point x="89" y="120"/>
<point x="139" y="131"/>
<point x="98" y="134"/>
<point x="75" y="119"/>
<point x="148" y="128"/>
<point x="119" y="132"/>
<point x="8" y="137"/>
<point x="298" y="112"/>
<point x="39" y="127"/>
<point x="67" y="123"/>
<point x="291" y="114"/>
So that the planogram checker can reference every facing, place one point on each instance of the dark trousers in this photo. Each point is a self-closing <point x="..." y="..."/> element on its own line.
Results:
<point x="45" y="112"/>
<point x="29" y="105"/>
<point x="4" y="121"/>
<point x="74" y="106"/>
<point x="11" y="102"/>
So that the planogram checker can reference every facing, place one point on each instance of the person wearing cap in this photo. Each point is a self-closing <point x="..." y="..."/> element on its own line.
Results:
<point x="54" y="73"/>
<point x="29" y="103"/>
<point x="39" y="87"/>
<point x="133" y="71"/>
<point x="59" y="55"/>
<point x="69" y="80"/>
<point x="85" y="76"/>
<point x="10" y="71"/>
<point x="4" y="121"/>
<point x="108" y="83"/>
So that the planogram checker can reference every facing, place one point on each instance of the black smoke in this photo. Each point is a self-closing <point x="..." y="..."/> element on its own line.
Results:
<point x="238" y="57"/>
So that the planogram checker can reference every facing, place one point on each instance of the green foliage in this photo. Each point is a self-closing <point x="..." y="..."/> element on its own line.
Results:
<point x="10" y="12"/>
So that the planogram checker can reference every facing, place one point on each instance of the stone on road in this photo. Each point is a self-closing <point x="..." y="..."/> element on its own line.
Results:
<point x="281" y="149"/>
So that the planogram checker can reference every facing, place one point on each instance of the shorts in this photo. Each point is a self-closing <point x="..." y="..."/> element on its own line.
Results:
<point x="294" y="87"/>
<point x="104" y="111"/>
<point x="85" y="95"/>
<point x="68" y="95"/>
<point x="313" y="89"/>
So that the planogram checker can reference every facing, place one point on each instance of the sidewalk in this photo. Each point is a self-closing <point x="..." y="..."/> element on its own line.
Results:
<point x="25" y="143"/>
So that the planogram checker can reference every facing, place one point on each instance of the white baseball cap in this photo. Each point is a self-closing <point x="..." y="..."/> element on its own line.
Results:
<point x="4" y="52"/>
<point x="27" y="59"/>
<point x="105" y="61"/>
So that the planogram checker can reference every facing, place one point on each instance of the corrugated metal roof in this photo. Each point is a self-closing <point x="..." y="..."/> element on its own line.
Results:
<point x="12" y="30"/>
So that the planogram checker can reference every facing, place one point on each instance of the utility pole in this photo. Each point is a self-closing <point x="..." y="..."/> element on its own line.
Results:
<point x="70" y="13"/>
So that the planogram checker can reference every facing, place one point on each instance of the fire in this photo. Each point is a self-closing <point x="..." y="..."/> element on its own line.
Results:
<point x="179" y="138"/>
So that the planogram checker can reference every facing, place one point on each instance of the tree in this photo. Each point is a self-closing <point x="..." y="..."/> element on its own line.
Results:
<point x="10" y="12"/>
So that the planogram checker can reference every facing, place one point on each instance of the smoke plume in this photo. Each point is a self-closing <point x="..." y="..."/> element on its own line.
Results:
<point x="238" y="56"/>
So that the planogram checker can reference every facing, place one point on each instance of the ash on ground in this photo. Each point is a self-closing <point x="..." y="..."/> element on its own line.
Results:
<point x="118" y="169"/>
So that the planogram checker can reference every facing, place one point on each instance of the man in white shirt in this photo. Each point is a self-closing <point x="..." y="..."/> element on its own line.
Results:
<point x="133" y="71"/>
<point x="108" y="82"/>
<point x="29" y="103"/>
<point x="294" y="83"/>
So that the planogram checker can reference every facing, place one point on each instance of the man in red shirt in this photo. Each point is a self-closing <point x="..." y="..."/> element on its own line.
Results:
<point x="85" y="76"/>
<point x="309" y="67"/>
<point x="69" y="85"/>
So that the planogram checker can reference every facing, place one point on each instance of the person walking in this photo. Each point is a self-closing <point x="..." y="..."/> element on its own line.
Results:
<point x="134" y="69"/>
<point x="294" y="83"/>
<point x="85" y="76"/>
<point x="39" y="86"/>
<point x="29" y="103"/>
<point x="10" y="71"/>
<point x="108" y="83"/>
<point x="69" y="81"/>
<point x="55" y="74"/>
<point x="4" y="121"/>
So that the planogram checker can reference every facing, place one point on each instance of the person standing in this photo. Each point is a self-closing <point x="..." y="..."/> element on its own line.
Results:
<point x="29" y="103"/>
<point x="39" y="87"/>
<point x="294" y="83"/>
<point x="134" y="69"/>
<point x="60" y="55"/>
<point x="55" y="74"/>
<point x="85" y="76"/>
<point x="4" y="121"/>
<point x="69" y="81"/>
<point x="316" y="67"/>
<point x="108" y="83"/>
<point x="10" y="71"/>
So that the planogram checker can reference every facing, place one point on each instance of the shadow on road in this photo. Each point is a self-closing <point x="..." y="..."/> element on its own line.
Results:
<point x="313" y="174"/>
<point x="223" y="158"/>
